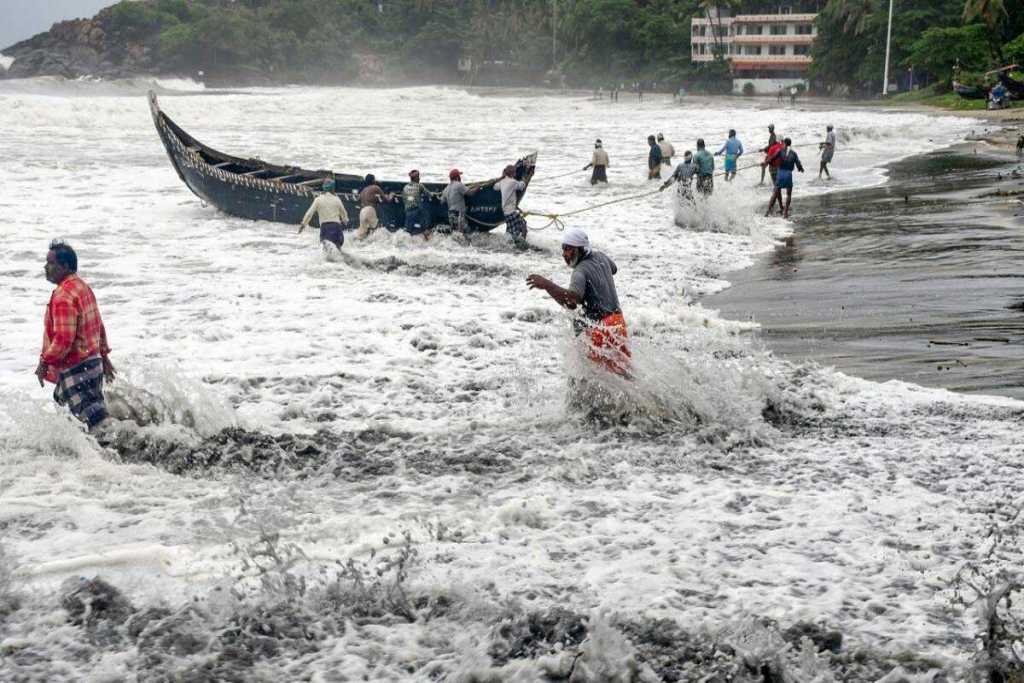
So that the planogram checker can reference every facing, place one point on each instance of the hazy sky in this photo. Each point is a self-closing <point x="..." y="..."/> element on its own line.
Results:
<point x="21" y="19"/>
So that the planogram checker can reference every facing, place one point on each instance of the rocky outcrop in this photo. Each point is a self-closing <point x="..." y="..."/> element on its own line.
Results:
<point x="76" y="48"/>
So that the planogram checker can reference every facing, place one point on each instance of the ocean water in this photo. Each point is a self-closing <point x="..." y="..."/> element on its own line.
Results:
<point x="365" y="467"/>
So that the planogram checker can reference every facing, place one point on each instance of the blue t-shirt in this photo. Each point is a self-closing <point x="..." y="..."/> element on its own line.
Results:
<point x="732" y="146"/>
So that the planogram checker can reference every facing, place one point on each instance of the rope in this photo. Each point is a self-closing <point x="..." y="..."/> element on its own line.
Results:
<point x="560" y="175"/>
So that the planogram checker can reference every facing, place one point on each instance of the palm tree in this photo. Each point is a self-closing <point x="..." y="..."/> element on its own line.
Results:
<point x="989" y="11"/>
<point x="855" y="14"/>
<point x="717" y="32"/>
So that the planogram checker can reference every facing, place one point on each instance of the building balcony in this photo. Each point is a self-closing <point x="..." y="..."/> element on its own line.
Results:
<point x="792" y="39"/>
<point x="769" y="61"/>
<point x="774" y="18"/>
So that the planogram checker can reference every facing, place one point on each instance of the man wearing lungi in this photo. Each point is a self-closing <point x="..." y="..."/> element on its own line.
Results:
<point x="75" y="350"/>
<point x="592" y="290"/>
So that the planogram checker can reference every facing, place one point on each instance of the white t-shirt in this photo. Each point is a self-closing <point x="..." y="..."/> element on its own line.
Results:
<point x="508" y="188"/>
<point x="328" y="208"/>
<point x="830" y="139"/>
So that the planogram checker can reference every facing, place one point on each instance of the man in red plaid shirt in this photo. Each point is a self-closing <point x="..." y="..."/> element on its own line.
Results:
<point x="75" y="348"/>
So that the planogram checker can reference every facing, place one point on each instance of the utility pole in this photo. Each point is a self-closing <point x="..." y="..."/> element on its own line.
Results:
<point x="554" y="33"/>
<point x="888" y="46"/>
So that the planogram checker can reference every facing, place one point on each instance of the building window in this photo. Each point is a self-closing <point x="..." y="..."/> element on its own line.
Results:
<point x="776" y="49"/>
<point x="753" y="49"/>
<point x="778" y="29"/>
<point x="802" y="50"/>
<point x="753" y="30"/>
<point x="804" y="29"/>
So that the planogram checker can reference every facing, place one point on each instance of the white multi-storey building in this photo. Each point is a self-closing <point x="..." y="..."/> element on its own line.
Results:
<point x="770" y="51"/>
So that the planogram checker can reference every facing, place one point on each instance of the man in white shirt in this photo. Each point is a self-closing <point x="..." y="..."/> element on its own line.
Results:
<point x="515" y="221"/>
<point x="599" y="162"/>
<point x="331" y="214"/>
<point x="667" y="150"/>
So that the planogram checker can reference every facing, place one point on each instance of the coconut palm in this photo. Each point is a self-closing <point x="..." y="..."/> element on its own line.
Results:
<point x="716" y="29"/>
<point x="991" y="12"/>
<point x="855" y="14"/>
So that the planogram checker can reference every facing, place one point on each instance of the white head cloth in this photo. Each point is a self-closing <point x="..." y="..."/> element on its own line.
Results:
<point x="575" y="237"/>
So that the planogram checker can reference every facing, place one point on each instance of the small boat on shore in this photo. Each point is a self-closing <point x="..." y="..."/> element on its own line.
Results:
<point x="258" y="190"/>
<point x="969" y="92"/>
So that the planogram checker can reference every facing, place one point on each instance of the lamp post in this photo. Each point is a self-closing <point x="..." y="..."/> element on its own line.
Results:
<point x="888" y="46"/>
<point x="554" y="33"/>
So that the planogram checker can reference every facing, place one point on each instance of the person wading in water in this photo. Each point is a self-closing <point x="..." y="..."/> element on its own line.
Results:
<point x="788" y="160"/>
<point x="331" y="213"/>
<point x="515" y="222"/>
<point x="415" y="196"/>
<point x="828" y="150"/>
<point x="454" y="195"/>
<point x="684" y="176"/>
<point x="75" y="354"/>
<point x="705" y="169"/>
<point x="772" y="139"/>
<point x="733" y="150"/>
<point x="370" y="198"/>
<point x="592" y="290"/>
<point x="653" y="159"/>
<point x="600" y="163"/>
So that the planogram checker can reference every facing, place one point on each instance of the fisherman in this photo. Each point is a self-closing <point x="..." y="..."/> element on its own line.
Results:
<point x="705" y="169"/>
<point x="733" y="150"/>
<point x="772" y="139"/>
<point x="792" y="95"/>
<point x="1020" y="146"/>
<point x="667" y="150"/>
<point x="414" y="196"/>
<point x="370" y="198"/>
<point x="454" y="195"/>
<point x="828" y="150"/>
<point x="75" y="356"/>
<point x="684" y="176"/>
<point x="331" y="213"/>
<point x="779" y="98"/>
<point x="599" y="162"/>
<point x="653" y="159"/>
<point x="515" y="221"/>
<point x="788" y="160"/>
<point x="592" y="289"/>
<point x="772" y="160"/>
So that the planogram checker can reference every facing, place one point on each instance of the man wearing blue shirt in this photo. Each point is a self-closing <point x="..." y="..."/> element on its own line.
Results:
<point x="733" y="150"/>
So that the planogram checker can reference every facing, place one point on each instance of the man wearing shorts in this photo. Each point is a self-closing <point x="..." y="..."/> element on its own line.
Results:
<point x="788" y="160"/>
<point x="733" y="150"/>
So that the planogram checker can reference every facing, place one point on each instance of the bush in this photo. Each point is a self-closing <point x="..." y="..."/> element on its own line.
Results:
<point x="135" y="19"/>
<point x="748" y="89"/>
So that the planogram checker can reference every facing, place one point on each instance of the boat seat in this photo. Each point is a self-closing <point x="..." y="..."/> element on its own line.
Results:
<point x="259" y="170"/>
<point x="223" y="164"/>
<point x="283" y="178"/>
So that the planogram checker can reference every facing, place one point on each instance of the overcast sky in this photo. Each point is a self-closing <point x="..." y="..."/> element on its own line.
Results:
<point x="21" y="19"/>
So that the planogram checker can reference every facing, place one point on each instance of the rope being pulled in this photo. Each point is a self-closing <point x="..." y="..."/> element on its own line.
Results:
<point x="556" y="219"/>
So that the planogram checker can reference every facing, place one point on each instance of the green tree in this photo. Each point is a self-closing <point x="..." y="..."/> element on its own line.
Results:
<point x="939" y="49"/>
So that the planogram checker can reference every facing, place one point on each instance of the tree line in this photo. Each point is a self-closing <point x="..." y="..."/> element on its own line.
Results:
<point x="591" y="42"/>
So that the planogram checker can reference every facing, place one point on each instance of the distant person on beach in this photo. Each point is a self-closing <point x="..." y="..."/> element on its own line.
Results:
<point x="454" y="195"/>
<point x="733" y="150"/>
<point x="1020" y="146"/>
<point x="600" y="163"/>
<point x="828" y="150"/>
<point x="591" y="292"/>
<point x="772" y="139"/>
<point x="75" y="355"/>
<point x="788" y="160"/>
<point x="515" y="222"/>
<point x="653" y="158"/>
<point x="683" y="174"/>
<point x="331" y="213"/>
<point x="370" y="198"/>
<point x="780" y="95"/>
<point x="705" y="169"/>
<point x="414" y="198"/>
<point x="792" y="94"/>
<point x="667" y="150"/>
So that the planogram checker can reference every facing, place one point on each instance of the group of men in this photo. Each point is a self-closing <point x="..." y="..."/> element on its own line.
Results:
<point x="415" y="197"/>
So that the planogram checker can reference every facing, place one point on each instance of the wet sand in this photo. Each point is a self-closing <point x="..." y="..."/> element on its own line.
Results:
<point x="918" y="280"/>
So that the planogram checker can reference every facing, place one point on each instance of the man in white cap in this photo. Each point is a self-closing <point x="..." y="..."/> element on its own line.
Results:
<point x="592" y="291"/>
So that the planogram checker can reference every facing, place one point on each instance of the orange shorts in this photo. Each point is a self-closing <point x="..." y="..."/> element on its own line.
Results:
<point x="609" y="344"/>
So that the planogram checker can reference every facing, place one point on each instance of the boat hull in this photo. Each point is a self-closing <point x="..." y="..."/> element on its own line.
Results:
<point x="257" y="190"/>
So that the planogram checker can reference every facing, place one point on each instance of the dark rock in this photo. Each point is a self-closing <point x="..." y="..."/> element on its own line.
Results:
<point x="822" y="638"/>
<point x="88" y="601"/>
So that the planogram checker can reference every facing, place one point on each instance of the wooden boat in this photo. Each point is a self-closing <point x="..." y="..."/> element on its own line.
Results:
<point x="255" y="189"/>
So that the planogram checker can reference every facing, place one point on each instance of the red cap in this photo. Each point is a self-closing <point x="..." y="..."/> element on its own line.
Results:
<point x="454" y="173"/>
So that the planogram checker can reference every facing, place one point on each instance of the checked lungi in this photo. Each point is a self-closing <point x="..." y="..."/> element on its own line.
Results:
<point x="80" y="388"/>
<point x="457" y="221"/>
<point x="609" y="344"/>
<point x="515" y="225"/>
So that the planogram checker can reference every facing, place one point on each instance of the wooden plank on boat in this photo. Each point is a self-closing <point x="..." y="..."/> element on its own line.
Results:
<point x="223" y="164"/>
<point x="260" y="170"/>
<point x="314" y="181"/>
